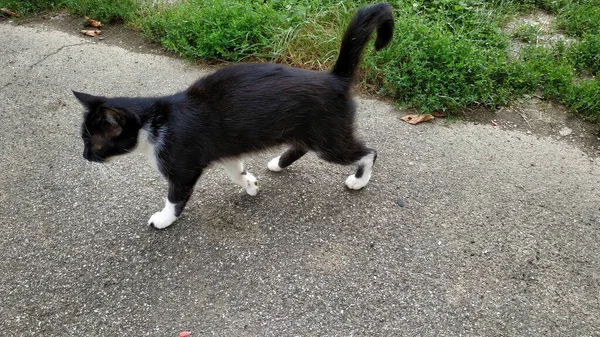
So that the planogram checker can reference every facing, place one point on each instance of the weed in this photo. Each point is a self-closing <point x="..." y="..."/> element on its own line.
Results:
<point x="579" y="17"/>
<point x="583" y="97"/>
<point x="527" y="33"/>
<point x="103" y="10"/>
<point x="585" y="54"/>
<point x="28" y="7"/>
<point x="437" y="66"/>
<point x="214" y="29"/>
<point x="316" y="37"/>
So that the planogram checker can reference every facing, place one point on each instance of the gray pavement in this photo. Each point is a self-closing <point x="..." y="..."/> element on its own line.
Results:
<point x="499" y="235"/>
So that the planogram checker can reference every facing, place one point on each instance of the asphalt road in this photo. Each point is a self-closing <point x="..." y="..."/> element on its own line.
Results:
<point x="499" y="234"/>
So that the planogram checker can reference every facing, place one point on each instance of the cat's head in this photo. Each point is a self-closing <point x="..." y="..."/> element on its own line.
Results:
<point x="108" y="129"/>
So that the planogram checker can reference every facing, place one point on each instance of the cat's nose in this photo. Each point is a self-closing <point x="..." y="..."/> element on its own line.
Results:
<point x="90" y="156"/>
<point x="86" y="154"/>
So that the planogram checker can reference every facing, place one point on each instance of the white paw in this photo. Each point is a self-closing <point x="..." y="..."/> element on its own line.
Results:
<point x="162" y="219"/>
<point x="251" y="184"/>
<point x="356" y="183"/>
<point x="273" y="165"/>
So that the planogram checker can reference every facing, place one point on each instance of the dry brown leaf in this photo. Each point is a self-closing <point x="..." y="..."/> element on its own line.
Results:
<point x="91" y="32"/>
<point x="93" y="23"/>
<point x="9" y="12"/>
<point x="416" y="118"/>
<point x="438" y="114"/>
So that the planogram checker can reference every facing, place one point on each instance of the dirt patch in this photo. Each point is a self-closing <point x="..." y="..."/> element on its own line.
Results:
<point x="537" y="26"/>
<point x="541" y="19"/>
<point x="533" y="115"/>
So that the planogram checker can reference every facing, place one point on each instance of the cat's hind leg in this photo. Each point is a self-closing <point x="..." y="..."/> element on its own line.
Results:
<point x="352" y="152"/>
<point x="362" y="176"/>
<point x="235" y="170"/>
<point x="286" y="159"/>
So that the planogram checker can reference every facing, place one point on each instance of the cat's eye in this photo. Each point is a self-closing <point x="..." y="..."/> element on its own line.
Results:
<point x="98" y="147"/>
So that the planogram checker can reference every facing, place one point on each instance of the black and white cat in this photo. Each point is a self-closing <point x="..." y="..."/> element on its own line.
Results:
<point x="240" y="109"/>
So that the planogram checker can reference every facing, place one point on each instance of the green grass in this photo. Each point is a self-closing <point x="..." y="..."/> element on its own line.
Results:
<point x="585" y="54"/>
<point x="103" y="10"/>
<point x="27" y="7"/>
<point x="436" y="67"/>
<point x="216" y="29"/>
<point x="579" y="17"/>
<point x="446" y="54"/>
<point x="527" y="33"/>
<point x="238" y="30"/>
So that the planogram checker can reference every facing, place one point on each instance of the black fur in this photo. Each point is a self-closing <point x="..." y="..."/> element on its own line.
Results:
<point x="241" y="109"/>
<point x="291" y="155"/>
<point x="358" y="33"/>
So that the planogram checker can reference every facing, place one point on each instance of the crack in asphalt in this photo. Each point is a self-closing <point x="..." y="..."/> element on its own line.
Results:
<point x="55" y="52"/>
<point x="46" y="57"/>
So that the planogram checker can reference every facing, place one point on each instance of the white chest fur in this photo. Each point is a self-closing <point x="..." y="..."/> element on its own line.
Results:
<point x="145" y="147"/>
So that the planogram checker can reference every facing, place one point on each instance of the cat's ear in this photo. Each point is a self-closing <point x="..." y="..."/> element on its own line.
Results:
<point x="116" y="121"/>
<point x="89" y="101"/>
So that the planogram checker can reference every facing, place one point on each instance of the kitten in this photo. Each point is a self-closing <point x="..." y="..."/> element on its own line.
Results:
<point x="240" y="109"/>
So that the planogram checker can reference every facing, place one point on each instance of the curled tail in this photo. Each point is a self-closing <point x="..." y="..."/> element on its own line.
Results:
<point x="358" y="33"/>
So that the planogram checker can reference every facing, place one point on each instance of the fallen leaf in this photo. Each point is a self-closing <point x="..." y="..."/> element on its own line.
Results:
<point x="438" y="114"/>
<point x="9" y="12"/>
<point x="91" y="32"/>
<point x="184" y="334"/>
<point x="93" y="23"/>
<point x="416" y="118"/>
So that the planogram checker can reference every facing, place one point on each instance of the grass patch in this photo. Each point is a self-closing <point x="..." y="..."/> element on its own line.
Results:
<point x="584" y="98"/>
<point x="216" y="29"/>
<point x="551" y="71"/>
<point x="585" y="54"/>
<point x="313" y="39"/>
<point x="103" y="10"/>
<point x="446" y="54"/>
<point x="28" y="7"/>
<point x="579" y="17"/>
<point x="527" y="33"/>
<point x="435" y="66"/>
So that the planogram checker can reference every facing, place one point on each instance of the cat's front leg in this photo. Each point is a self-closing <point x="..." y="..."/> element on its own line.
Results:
<point x="164" y="218"/>
<point x="178" y="196"/>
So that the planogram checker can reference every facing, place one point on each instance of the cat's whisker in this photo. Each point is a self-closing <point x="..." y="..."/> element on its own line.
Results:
<point x="89" y="134"/>
<point x="115" y="173"/>
<point x="102" y="168"/>
<point x="110" y="169"/>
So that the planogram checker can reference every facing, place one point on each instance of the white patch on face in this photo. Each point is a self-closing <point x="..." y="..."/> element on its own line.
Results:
<point x="164" y="218"/>
<point x="234" y="168"/>
<point x="357" y="183"/>
<point x="273" y="165"/>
